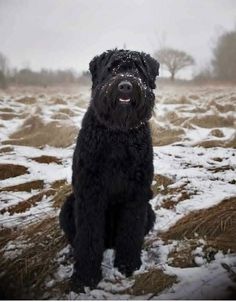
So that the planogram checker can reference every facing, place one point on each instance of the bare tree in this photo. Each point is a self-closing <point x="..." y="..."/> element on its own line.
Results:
<point x="174" y="60"/>
<point x="3" y="71"/>
<point x="4" y="64"/>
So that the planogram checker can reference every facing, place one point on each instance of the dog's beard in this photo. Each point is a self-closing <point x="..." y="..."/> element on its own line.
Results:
<point x="123" y="111"/>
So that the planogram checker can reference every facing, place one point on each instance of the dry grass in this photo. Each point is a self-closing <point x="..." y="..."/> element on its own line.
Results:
<point x="67" y="111"/>
<point x="24" y="276"/>
<point x="57" y="184"/>
<point x="194" y="96"/>
<point x="221" y="168"/>
<point x="6" y="235"/>
<point x="172" y="195"/>
<point x="170" y="202"/>
<point x="152" y="282"/>
<point x="34" y="132"/>
<point x="224" y="108"/>
<point x="8" y="116"/>
<point x="161" y="180"/>
<point x="174" y="118"/>
<point x="182" y="255"/>
<point x="219" y="159"/>
<point x="196" y="109"/>
<point x="162" y="136"/>
<point x="210" y="143"/>
<point x="60" y="197"/>
<point x="6" y="149"/>
<point x="217" y="224"/>
<point x="229" y="143"/>
<point x="57" y="101"/>
<point x="213" y="121"/>
<point x="60" y="116"/>
<point x="9" y="170"/>
<point x="27" y="100"/>
<point x="3" y="109"/>
<point x="181" y="100"/>
<point x="47" y="159"/>
<point x="27" y="186"/>
<point x="25" y="205"/>
<point x="217" y="133"/>
<point x="37" y="261"/>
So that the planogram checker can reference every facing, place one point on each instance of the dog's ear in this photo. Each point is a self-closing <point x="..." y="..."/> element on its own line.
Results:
<point x="93" y="68"/>
<point x="97" y="65"/>
<point x="152" y="68"/>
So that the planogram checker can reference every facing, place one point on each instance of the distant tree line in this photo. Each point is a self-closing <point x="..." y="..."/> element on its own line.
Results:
<point x="223" y="63"/>
<point x="222" y="67"/>
<point x="44" y="77"/>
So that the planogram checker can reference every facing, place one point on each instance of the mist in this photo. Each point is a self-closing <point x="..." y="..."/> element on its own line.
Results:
<point x="59" y="34"/>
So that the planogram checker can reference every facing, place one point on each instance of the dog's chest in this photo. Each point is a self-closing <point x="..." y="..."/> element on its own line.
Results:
<point x="124" y="159"/>
<point x="124" y="150"/>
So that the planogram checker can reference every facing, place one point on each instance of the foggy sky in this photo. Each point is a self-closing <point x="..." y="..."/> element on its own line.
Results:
<point x="68" y="33"/>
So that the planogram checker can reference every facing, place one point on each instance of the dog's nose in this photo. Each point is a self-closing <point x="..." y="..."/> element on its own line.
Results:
<point x="125" y="87"/>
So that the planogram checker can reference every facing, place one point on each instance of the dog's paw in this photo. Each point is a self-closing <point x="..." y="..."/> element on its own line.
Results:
<point x="78" y="286"/>
<point x="128" y="270"/>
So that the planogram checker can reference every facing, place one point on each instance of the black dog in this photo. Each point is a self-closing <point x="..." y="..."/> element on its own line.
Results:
<point x="112" y="167"/>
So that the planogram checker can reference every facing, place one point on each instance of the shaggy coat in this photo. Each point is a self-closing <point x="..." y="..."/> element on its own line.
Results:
<point x="112" y="167"/>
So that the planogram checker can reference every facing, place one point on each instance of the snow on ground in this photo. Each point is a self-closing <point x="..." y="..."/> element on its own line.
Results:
<point x="196" y="168"/>
<point x="204" y="173"/>
<point x="208" y="281"/>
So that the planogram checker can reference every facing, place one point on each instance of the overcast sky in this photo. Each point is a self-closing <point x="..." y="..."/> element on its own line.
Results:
<point x="68" y="33"/>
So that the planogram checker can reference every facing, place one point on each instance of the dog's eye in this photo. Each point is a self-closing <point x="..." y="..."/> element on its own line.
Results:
<point x="115" y="64"/>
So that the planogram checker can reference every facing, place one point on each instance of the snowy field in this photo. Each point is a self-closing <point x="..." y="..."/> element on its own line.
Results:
<point x="190" y="254"/>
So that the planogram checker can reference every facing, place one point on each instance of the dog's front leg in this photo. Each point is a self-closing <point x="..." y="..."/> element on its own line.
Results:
<point x="89" y="240"/>
<point x="129" y="239"/>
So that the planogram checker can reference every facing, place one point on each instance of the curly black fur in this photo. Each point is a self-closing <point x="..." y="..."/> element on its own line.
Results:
<point x="112" y="168"/>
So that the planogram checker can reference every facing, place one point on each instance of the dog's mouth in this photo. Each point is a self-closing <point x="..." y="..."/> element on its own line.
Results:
<point x="124" y="100"/>
<point x="124" y="91"/>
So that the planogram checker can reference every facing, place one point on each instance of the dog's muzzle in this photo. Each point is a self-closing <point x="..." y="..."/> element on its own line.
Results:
<point x="125" y="89"/>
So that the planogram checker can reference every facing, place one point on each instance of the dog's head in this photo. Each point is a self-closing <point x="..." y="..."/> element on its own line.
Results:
<point x="122" y="90"/>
